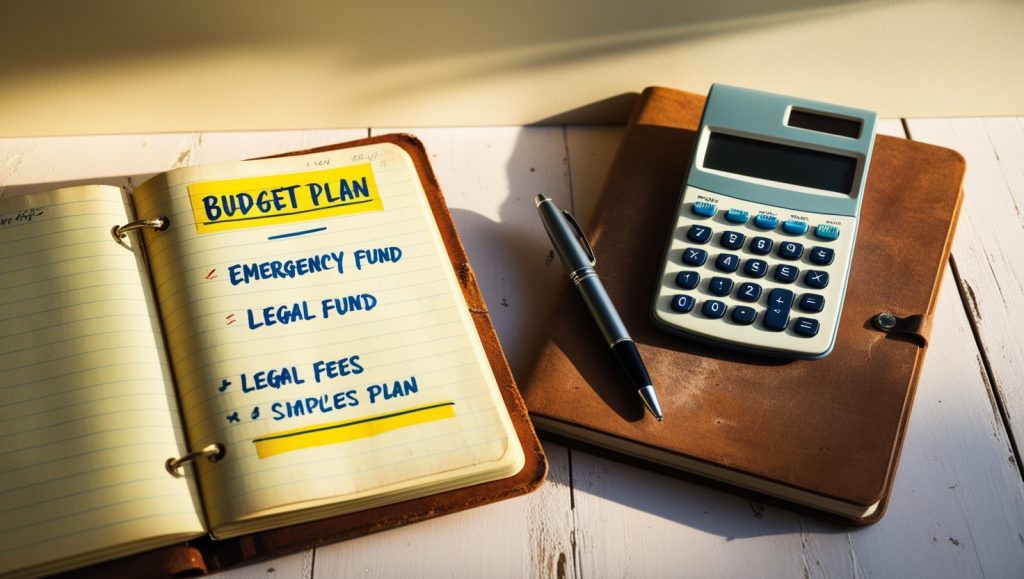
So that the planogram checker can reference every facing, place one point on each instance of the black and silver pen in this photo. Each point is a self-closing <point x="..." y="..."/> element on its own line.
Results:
<point x="577" y="257"/>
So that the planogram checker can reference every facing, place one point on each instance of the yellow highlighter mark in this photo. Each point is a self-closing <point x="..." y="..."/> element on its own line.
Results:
<point x="275" y="199"/>
<point x="349" y="430"/>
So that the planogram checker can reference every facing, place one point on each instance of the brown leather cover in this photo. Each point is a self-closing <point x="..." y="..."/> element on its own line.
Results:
<point x="833" y="426"/>
<point x="217" y="555"/>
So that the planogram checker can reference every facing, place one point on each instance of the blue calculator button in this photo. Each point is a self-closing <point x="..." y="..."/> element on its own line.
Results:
<point x="736" y="216"/>
<point x="705" y="209"/>
<point x="744" y="315"/>
<point x="714" y="309"/>
<point x="822" y="255"/>
<point x="761" y="245"/>
<point x="776" y="318"/>
<point x="827" y="232"/>
<point x="695" y="257"/>
<point x="687" y="279"/>
<point x="816" y="279"/>
<point x="812" y="303"/>
<point x="786" y="273"/>
<point x="699" y="234"/>
<point x="806" y="327"/>
<point x="727" y="262"/>
<point x="765" y="221"/>
<point x="683" y="303"/>
<point x="755" y="267"/>
<point x="790" y="250"/>
<point x="748" y="292"/>
<point x="732" y="239"/>
<point x="794" y="226"/>
<point x="720" y="286"/>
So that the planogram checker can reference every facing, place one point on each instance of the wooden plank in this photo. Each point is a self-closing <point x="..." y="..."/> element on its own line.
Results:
<point x="220" y="147"/>
<point x="39" y="164"/>
<point x="522" y="537"/>
<point x="987" y="248"/>
<point x="297" y="566"/>
<point x="591" y="151"/>
<point x="957" y="507"/>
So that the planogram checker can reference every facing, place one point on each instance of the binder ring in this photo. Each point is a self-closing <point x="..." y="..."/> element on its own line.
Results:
<point x="213" y="452"/>
<point x="121" y="231"/>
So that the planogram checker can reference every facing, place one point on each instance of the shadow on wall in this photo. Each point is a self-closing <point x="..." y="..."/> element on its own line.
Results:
<point x="53" y="37"/>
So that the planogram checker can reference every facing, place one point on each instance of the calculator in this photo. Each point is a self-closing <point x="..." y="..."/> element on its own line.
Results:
<point x="759" y="252"/>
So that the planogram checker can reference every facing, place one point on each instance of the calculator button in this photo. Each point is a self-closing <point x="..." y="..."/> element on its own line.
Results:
<point x="705" y="209"/>
<point x="744" y="315"/>
<point x="736" y="216"/>
<point x="714" y="309"/>
<point x="790" y="250"/>
<point x="806" y="327"/>
<point x="766" y="221"/>
<point x="822" y="255"/>
<point x="682" y="303"/>
<point x="687" y="279"/>
<point x="794" y="226"/>
<point x="776" y="318"/>
<point x="816" y="279"/>
<point x="727" y="262"/>
<point x="812" y="303"/>
<point x="699" y="234"/>
<point x="755" y="267"/>
<point x="786" y="273"/>
<point x="827" y="232"/>
<point x="694" y="257"/>
<point x="748" y="292"/>
<point x="720" y="286"/>
<point x="732" y="239"/>
<point x="761" y="245"/>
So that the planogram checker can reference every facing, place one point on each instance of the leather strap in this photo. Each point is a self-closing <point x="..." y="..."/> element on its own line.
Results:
<point x="917" y="326"/>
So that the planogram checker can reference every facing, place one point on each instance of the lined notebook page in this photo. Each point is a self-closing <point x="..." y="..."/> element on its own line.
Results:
<point x="318" y="331"/>
<point x="87" y="417"/>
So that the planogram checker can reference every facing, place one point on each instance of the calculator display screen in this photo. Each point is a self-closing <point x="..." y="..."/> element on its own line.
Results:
<point x="782" y="163"/>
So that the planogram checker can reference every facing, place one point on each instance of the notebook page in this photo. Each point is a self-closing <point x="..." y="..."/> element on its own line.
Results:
<point x="317" y="330"/>
<point x="86" y="414"/>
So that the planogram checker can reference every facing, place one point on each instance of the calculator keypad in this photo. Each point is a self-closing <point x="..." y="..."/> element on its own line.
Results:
<point x="755" y="277"/>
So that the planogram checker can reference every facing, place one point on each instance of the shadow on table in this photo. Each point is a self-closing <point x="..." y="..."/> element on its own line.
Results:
<point x="683" y="500"/>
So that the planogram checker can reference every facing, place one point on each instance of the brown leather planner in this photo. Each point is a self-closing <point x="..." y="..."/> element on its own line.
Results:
<point x="208" y="555"/>
<point x="824" y="434"/>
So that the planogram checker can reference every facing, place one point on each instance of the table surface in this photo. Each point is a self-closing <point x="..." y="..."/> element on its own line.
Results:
<point x="957" y="508"/>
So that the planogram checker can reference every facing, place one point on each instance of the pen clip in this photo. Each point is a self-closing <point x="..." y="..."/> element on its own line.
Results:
<point x="581" y="236"/>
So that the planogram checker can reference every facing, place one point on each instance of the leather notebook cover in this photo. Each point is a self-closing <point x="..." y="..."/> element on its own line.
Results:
<point x="831" y="427"/>
<point x="206" y="555"/>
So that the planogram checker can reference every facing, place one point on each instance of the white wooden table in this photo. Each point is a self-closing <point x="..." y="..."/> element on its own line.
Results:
<point x="958" y="505"/>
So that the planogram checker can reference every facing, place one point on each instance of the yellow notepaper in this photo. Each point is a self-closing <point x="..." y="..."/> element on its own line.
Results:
<point x="86" y="414"/>
<point x="314" y="338"/>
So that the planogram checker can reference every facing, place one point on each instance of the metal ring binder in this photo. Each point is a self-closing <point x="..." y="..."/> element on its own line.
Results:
<point x="121" y="231"/>
<point x="213" y="452"/>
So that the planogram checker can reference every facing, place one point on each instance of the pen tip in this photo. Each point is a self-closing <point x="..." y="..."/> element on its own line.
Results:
<point x="541" y="198"/>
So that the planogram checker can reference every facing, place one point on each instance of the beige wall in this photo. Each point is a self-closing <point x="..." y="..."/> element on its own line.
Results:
<point x="113" y="66"/>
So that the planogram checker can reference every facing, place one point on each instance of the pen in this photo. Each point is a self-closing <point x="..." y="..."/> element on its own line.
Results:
<point x="577" y="257"/>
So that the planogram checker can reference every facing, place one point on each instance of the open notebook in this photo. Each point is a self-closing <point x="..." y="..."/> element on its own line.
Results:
<point x="323" y="356"/>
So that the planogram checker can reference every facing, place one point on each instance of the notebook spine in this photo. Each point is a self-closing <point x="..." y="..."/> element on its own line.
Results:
<point x="213" y="452"/>
<point x="120" y="232"/>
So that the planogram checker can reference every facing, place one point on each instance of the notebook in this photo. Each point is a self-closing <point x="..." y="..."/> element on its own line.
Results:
<point x="258" y="352"/>
<point x="824" y="434"/>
